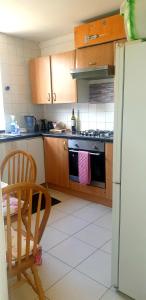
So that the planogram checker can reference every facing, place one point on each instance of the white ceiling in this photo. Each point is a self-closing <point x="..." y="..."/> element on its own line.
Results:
<point x="41" y="20"/>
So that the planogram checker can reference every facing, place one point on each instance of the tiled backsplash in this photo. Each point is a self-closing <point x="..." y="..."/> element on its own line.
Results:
<point x="92" y="116"/>
<point x="15" y="54"/>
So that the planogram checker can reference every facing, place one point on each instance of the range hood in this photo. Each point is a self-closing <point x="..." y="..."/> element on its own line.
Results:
<point x="99" y="72"/>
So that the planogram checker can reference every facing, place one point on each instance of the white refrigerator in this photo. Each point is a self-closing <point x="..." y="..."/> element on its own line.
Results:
<point x="129" y="171"/>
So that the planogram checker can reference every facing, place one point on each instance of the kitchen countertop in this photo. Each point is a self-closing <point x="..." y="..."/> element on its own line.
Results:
<point x="67" y="135"/>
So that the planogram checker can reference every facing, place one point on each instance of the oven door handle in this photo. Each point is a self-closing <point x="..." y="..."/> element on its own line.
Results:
<point x="91" y="153"/>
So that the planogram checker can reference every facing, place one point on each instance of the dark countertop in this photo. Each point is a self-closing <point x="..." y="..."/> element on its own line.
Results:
<point x="67" y="135"/>
<point x="11" y="138"/>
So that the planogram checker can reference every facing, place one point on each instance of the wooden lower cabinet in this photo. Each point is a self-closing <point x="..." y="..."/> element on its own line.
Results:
<point x="56" y="161"/>
<point x="57" y="172"/>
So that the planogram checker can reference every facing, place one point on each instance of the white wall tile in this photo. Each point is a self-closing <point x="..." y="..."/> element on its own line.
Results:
<point x="14" y="57"/>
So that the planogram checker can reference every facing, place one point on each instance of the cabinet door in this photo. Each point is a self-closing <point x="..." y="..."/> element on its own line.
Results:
<point x="95" y="56"/>
<point x="100" y="31"/>
<point x="64" y="87"/>
<point x="56" y="161"/>
<point x="109" y="169"/>
<point x="40" y="76"/>
<point x="36" y="148"/>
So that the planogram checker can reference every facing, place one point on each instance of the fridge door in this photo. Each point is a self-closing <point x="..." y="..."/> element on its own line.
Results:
<point x="118" y="116"/>
<point x="132" y="260"/>
<point x="115" y="233"/>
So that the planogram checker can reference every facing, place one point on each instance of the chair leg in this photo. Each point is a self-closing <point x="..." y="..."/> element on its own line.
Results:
<point x="38" y="283"/>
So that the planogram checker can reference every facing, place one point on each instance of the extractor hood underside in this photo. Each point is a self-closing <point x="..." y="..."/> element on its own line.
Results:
<point x="100" y="72"/>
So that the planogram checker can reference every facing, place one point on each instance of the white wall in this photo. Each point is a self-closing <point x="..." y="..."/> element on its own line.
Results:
<point x="15" y="54"/>
<point x="60" y="44"/>
<point x="92" y="116"/>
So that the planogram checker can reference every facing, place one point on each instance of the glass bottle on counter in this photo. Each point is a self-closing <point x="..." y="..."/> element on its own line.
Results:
<point x="78" y="122"/>
<point x="73" y="122"/>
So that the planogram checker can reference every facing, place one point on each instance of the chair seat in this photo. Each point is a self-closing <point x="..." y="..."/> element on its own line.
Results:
<point x="14" y="244"/>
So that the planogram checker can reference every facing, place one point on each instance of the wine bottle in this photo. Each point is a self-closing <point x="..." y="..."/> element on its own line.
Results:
<point x="73" y="122"/>
<point x="78" y="122"/>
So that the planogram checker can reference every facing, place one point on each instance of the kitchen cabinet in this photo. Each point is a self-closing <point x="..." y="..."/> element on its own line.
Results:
<point x="34" y="146"/>
<point x="63" y="86"/>
<point x="55" y="84"/>
<point x="99" y="31"/>
<point x="95" y="56"/>
<point x="40" y="76"/>
<point x="109" y="169"/>
<point x="56" y="161"/>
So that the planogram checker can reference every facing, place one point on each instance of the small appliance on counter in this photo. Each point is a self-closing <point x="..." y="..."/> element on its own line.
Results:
<point x="43" y="124"/>
<point x="30" y="122"/>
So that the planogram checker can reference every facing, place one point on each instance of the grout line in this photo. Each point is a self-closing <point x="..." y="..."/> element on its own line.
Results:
<point x="74" y="268"/>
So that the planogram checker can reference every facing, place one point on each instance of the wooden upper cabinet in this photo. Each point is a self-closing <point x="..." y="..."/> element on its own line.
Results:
<point x="100" y="31"/>
<point x="56" y="161"/>
<point x="63" y="86"/>
<point x="40" y="76"/>
<point x="95" y="56"/>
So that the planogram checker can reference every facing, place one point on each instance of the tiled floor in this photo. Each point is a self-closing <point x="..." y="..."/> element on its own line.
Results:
<point x="77" y="253"/>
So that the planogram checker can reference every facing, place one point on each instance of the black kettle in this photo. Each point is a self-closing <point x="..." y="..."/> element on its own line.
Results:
<point x="43" y="125"/>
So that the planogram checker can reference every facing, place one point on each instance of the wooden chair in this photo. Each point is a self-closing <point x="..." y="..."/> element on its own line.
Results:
<point x="23" y="242"/>
<point x="18" y="166"/>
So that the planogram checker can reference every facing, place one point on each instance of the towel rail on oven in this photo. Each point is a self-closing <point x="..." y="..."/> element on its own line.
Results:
<point x="91" y="153"/>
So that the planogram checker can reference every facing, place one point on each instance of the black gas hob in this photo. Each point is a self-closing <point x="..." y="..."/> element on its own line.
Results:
<point x="97" y="133"/>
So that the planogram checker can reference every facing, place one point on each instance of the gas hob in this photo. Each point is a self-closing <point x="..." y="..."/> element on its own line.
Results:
<point x="97" y="133"/>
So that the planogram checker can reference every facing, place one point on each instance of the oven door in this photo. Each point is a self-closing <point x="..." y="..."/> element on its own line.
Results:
<point x="97" y="167"/>
<point x="73" y="165"/>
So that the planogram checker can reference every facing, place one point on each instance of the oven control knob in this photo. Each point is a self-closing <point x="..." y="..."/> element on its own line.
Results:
<point x="95" y="147"/>
<point x="76" y="145"/>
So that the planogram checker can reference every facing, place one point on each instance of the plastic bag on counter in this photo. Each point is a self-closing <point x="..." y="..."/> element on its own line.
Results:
<point x="134" y="12"/>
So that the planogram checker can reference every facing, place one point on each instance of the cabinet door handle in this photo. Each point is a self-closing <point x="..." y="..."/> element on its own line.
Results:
<point x="65" y="146"/>
<point x="49" y="97"/>
<point x="54" y="96"/>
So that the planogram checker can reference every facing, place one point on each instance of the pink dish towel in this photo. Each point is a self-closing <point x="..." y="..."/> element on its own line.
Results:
<point x="84" y="167"/>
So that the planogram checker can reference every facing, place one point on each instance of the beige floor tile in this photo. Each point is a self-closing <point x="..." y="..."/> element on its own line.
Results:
<point x="72" y="251"/>
<point x="94" y="235"/>
<point x="55" y="215"/>
<point x="107" y="247"/>
<point x="75" y="286"/>
<point x="91" y="212"/>
<point x="105" y="221"/>
<point x="98" y="267"/>
<point x="114" y="295"/>
<point x="52" y="237"/>
<point x="72" y="204"/>
<point x="70" y="224"/>
<point x="51" y="270"/>
<point x="22" y="293"/>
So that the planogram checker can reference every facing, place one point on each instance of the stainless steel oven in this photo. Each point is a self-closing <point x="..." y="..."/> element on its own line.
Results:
<point x="97" y="157"/>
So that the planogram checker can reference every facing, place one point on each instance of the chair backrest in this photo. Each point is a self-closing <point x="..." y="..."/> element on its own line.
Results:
<point x="23" y="236"/>
<point x="18" y="166"/>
